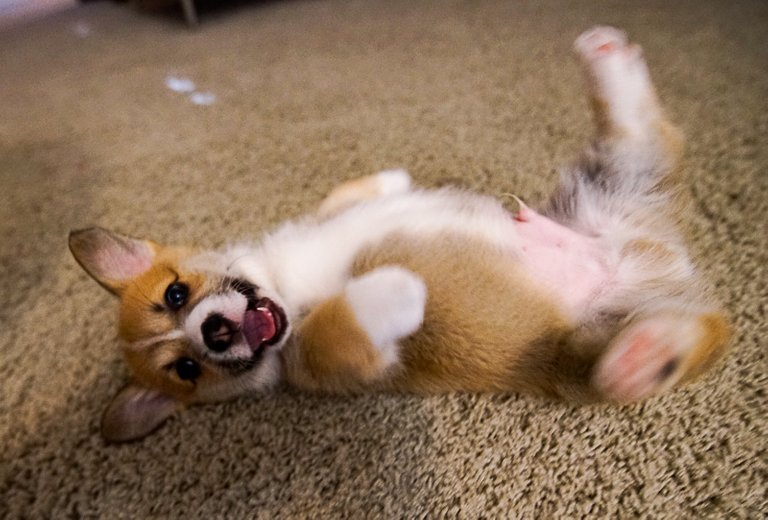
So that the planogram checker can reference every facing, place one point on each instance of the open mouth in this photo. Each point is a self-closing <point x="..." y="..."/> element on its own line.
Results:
<point x="263" y="324"/>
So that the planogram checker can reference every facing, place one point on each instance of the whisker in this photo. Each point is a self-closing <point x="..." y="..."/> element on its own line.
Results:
<point x="233" y="262"/>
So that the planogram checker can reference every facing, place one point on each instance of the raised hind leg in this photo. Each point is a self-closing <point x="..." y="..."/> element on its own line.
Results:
<point x="660" y="326"/>
<point x="629" y="173"/>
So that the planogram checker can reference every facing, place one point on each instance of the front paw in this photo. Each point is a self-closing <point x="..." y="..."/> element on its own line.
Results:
<point x="388" y="303"/>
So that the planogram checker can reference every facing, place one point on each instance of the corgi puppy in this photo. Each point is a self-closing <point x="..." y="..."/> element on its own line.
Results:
<point x="389" y="288"/>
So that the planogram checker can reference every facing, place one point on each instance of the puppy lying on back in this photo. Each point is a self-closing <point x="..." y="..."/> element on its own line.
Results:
<point x="394" y="289"/>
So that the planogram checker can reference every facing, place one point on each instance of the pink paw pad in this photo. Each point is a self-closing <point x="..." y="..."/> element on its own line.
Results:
<point x="600" y="41"/>
<point x="606" y="47"/>
<point x="637" y="365"/>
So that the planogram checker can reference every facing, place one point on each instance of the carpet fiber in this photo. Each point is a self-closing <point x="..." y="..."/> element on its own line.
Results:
<point x="482" y="94"/>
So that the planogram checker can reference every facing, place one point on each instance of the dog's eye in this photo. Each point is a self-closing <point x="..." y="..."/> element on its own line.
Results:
<point x="187" y="369"/>
<point x="176" y="295"/>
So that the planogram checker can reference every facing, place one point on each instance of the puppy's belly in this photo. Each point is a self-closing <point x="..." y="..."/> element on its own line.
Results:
<point x="575" y="268"/>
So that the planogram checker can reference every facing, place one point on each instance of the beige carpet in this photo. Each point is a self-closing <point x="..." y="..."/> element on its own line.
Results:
<point x="308" y="93"/>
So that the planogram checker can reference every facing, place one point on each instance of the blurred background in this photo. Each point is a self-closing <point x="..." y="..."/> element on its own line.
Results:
<point x="18" y="11"/>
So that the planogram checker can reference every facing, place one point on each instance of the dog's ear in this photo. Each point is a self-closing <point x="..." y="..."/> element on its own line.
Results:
<point x="135" y="412"/>
<point x="110" y="258"/>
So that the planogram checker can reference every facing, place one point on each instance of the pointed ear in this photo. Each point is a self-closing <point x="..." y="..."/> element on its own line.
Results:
<point x="110" y="258"/>
<point x="135" y="412"/>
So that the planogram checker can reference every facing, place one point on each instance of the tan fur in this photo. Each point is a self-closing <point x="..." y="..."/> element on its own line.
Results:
<point x="482" y="313"/>
<point x="138" y="318"/>
<point x="711" y="347"/>
<point x="332" y="352"/>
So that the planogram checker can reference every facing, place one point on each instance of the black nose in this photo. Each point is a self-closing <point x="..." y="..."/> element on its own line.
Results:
<point x="218" y="332"/>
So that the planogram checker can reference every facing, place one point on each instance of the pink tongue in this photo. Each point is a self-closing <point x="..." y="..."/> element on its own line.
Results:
<point x="258" y="326"/>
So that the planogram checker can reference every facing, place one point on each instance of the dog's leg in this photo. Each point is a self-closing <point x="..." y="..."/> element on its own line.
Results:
<point x="351" y="340"/>
<point x="387" y="182"/>
<point x="656" y="352"/>
<point x="625" y="191"/>
<point x="629" y="173"/>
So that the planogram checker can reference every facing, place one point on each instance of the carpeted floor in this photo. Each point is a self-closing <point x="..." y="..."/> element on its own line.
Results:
<point x="480" y="94"/>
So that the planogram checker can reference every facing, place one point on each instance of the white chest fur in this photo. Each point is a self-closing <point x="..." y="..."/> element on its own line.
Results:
<point x="310" y="260"/>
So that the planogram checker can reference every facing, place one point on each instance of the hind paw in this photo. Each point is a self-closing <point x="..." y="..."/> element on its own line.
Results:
<point x="618" y="79"/>
<point x="610" y="58"/>
<point x="647" y="358"/>
<point x="600" y="41"/>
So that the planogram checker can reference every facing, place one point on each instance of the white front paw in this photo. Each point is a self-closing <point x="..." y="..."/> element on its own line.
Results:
<point x="388" y="303"/>
<point x="391" y="182"/>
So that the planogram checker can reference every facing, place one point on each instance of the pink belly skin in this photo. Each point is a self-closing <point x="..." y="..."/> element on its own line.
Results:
<point x="574" y="268"/>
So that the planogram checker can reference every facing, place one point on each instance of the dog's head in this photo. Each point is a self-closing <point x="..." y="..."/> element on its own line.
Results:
<point x="190" y="331"/>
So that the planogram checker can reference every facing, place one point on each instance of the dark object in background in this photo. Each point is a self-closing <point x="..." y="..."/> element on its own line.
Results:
<point x="188" y="6"/>
<point x="191" y="9"/>
<point x="190" y="13"/>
